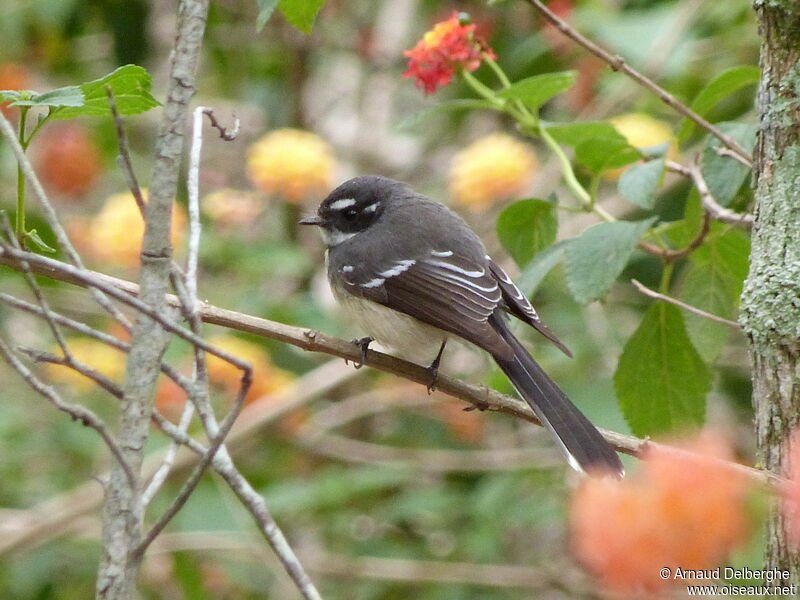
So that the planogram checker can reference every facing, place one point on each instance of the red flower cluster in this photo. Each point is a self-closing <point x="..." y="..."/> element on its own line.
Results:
<point x="450" y="45"/>
<point x="681" y="510"/>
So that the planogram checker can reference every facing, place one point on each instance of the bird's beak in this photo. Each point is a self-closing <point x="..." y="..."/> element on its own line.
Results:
<point x="315" y="220"/>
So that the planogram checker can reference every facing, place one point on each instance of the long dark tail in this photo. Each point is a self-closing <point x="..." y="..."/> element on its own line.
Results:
<point x="585" y="448"/>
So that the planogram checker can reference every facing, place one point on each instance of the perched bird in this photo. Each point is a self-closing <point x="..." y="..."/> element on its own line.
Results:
<point x="413" y="274"/>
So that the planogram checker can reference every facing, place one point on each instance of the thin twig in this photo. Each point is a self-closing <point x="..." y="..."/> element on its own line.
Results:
<point x="76" y="365"/>
<point x="37" y="291"/>
<point x="124" y="161"/>
<point x="669" y="256"/>
<point x="100" y="336"/>
<point x="680" y="304"/>
<point x="52" y="218"/>
<point x="76" y="412"/>
<point x="89" y="279"/>
<point x="226" y="134"/>
<point x="617" y="63"/>
<point x="710" y="204"/>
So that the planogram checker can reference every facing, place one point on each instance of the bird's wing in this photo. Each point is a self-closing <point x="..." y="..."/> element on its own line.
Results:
<point x="439" y="288"/>
<point x="519" y="306"/>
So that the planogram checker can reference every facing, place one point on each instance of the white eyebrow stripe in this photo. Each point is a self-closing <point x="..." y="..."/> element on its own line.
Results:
<point x="400" y="267"/>
<point x="373" y="282"/>
<point x="342" y="203"/>
<point x="372" y="207"/>
<point x="451" y="267"/>
<point x="443" y="254"/>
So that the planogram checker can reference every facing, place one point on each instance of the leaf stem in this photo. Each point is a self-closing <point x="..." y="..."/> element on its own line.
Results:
<point x="19" y="220"/>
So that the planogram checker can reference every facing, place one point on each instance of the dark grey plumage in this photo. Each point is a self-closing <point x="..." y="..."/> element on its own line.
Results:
<point x="413" y="271"/>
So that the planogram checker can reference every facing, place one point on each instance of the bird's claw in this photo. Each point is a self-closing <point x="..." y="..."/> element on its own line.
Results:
<point x="363" y="344"/>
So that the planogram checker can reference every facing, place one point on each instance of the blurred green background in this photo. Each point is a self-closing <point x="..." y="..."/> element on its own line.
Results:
<point x="383" y="520"/>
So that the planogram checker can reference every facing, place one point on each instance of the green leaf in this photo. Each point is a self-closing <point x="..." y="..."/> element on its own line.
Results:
<point x="535" y="91"/>
<point x="11" y="95"/>
<point x="661" y="381"/>
<point x="723" y="174"/>
<point x="265" y="10"/>
<point x="416" y="118"/>
<point x="638" y="184"/>
<point x="33" y="236"/>
<point x="541" y="264"/>
<point x="599" y="154"/>
<point x="130" y="85"/>
<point x="713" y="283"/>
<point x="526" y="227"/>
<point x="719" y="88"/>
<point x="574" y="134"/>
<point x="65" y="96"/>
<point x="597" y="257"/>
<point x="301" y="13"/>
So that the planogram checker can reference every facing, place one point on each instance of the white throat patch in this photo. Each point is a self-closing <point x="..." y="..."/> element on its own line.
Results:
<point x="334" y="237"/>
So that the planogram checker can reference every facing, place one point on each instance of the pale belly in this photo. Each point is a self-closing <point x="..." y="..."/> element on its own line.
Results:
<point x="406" y="336"/>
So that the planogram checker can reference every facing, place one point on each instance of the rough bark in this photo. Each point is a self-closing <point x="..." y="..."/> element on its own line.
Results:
<point x="770" y="313"/>
<point x="122" y="511"/>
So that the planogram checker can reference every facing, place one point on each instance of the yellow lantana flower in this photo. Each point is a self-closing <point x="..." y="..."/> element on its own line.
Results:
<point x="493" y="168"/>
<point x="291" y="163"/>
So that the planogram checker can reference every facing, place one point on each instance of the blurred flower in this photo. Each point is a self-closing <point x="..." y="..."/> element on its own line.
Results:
<point x="465" y="426"/>
<point x="681" y="509"/>
<point x="231" y="208"/>
<point x="291" y="163"/>
<point x="449" y="46"/>
<point x="114" y="235"/>
<point x="642" y="131"/>
<point x="267" y="378"/>
<point x="170" y="399"/>
<point x="791" y="491"/>
<point x="100" y="357"/>
<point x="67" y="158"/>
<point x="495" y="167"/>
<point x="12" y="77"/>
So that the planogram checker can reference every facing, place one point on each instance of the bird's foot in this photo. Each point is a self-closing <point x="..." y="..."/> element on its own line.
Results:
<point x="363" y="344"/>
<point x="433" y="369"/>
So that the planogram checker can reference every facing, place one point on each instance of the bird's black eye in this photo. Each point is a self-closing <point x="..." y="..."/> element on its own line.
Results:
<point x="350" y="214"/>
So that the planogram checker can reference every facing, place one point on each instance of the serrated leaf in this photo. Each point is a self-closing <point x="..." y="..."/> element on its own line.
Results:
<point x="535" y="91"/>
<point x="638" y="184"/>
<point x="265" y="10"/>
<point x="597" y="257"/>
<point x="416" y="118"/>
<point x="130" y="85"/>
<point x="537" y="269"/>
<point x="723" y="174"/>
<point x="661" y="382"/>
<point x="573" y="134"/>
<point x="719" y="88"/>
<point x="713" y="283"/>
<point x="526" y="227"/>
<point x="65" y="96"/>
<point x="599" y="154"/>
<point x="301" y="13"/>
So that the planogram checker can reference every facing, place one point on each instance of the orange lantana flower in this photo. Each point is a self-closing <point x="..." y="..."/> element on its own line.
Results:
<point x="449" y="46"/>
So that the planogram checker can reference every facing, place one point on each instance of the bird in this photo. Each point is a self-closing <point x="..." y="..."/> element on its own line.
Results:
<point x="413" y="274"/>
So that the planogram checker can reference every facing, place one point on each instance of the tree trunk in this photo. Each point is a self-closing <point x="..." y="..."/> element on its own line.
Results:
<point x="770" y="313"/>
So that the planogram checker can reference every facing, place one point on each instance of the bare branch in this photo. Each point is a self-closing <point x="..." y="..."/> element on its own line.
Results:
<point x="710" y="204"/>
<point x="479" y="396"/>
<point x="680" y="304"/>
<point x="617" y="63"/>
<point x="226" y="134"/>
<point x="76" y="365"/>
<point x="76" y="412"/>
<point x="124" y="158"/>
<point x="52" y="218"/>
